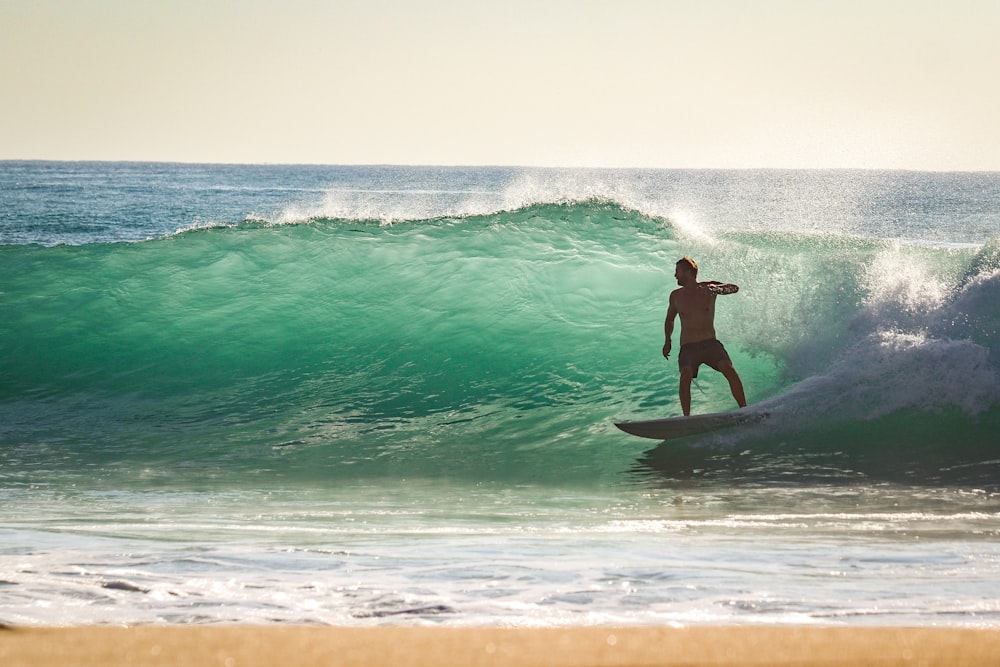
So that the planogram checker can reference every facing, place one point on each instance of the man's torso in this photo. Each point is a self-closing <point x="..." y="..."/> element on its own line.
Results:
<point x="696" y="308"/>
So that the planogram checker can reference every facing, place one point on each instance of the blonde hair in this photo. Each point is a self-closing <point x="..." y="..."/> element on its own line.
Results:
<point x="693" y="265"/>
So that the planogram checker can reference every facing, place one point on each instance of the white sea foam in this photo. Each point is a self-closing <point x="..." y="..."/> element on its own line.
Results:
<point x="275" y="558"/>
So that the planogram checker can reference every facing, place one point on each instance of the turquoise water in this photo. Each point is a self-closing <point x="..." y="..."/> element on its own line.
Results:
<point x="387" y="394"/>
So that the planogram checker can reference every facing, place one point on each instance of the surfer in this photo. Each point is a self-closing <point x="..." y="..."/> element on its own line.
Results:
<point x="695" y="303"/>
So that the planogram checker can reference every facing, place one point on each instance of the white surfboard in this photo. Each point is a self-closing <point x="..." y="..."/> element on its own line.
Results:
<point x="679" y="427"/>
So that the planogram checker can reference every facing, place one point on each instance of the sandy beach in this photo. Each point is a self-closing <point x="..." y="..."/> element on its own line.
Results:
<point x="288" y="646"/>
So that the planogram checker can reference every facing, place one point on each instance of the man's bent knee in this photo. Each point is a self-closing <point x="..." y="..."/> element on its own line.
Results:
<point x="726" y="368"/>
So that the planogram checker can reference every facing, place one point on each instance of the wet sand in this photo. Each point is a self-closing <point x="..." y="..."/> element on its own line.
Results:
<point x="291" y="646"/>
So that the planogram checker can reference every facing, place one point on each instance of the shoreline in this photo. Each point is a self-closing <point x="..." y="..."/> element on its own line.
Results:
<point x="291" y="646"/>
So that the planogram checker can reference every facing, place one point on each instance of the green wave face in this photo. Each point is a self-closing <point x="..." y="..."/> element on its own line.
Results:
<point x="493" y="347"/>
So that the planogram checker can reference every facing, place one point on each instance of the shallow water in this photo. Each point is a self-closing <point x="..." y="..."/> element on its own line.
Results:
<point x="429" y="553"/>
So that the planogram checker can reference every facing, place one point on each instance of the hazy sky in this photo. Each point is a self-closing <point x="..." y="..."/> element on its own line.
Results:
<point x="621" y="83"/>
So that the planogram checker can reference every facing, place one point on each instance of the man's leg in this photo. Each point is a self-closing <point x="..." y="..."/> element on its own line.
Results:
<point x="735" y="384"/>
<point x="685" y="390"/>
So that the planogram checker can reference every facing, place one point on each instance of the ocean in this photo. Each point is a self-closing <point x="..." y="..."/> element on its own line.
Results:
<point x="368" y="395"/>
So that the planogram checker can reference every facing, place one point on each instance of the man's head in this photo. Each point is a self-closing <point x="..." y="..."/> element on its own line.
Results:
<point x="687" y="271"/>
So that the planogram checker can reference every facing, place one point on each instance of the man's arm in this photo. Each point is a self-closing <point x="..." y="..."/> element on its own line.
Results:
<point x="668" y="327"/>
<point x="715" y="287"/>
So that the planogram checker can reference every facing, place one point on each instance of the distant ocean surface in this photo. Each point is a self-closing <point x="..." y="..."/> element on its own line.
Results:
<point x="387" y="395"/>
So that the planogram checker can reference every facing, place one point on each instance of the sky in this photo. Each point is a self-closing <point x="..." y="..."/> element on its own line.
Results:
<point x="874" y="84"/>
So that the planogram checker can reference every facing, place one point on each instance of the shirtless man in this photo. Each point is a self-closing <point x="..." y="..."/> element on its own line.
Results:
<point x="695" y="303"/>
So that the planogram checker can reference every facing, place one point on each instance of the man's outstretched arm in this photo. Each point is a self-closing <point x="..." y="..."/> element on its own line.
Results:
<point x="715" y="287"/>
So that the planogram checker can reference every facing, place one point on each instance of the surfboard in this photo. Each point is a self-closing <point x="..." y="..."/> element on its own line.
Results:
<point x="680" y="427"/>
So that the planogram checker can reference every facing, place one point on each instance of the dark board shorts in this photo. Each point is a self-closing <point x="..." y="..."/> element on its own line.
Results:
<point x="709" y="352"/>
